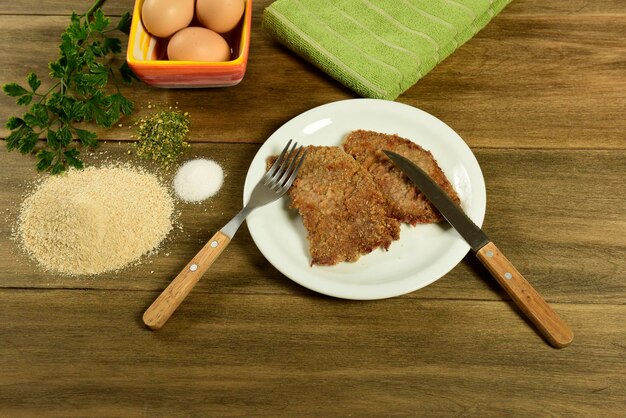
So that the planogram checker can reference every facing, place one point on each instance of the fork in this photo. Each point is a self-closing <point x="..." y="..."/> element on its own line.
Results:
<point x="274" y="184"/>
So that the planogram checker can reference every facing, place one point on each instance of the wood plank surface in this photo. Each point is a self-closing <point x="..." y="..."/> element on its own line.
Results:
<point x="75" y="353"/>
<point x="538" y="95"/>
<point x="553" y="235"/>
<point x="518" y="7"/>
<point x="522" y="78"/>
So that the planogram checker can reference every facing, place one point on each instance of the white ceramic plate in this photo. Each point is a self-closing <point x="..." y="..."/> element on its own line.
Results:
<point x="422" y="254"/>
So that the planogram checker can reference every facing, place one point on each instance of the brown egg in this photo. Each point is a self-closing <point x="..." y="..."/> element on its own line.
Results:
<point x="197" y="44"/>
<point x="219" y="15"/>
<point x="163" y="18"/>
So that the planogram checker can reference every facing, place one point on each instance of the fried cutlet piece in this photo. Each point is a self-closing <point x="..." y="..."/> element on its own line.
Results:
<point x="406" y="202"/>
<point x="343" y="211"/>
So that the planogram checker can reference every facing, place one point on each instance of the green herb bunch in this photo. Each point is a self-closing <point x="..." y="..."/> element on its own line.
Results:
<point x="80" y="94"/>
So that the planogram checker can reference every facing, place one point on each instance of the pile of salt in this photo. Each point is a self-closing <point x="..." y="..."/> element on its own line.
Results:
<point x="198" y="179"/>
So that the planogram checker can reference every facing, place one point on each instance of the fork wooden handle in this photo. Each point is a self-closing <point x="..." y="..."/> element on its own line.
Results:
<point x="551" y="326"/>
<point x="168" y="301"/>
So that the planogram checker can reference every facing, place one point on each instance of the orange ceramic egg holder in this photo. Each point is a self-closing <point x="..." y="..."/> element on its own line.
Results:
<point x="147" y="57"/>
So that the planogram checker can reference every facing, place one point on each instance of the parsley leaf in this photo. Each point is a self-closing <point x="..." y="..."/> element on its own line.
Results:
<point x="87" y="138"/>
<point x="14" y="123"/>
<point x="33" y="81"/>
<point x="25" y="100"/>
<point x="45" y="159"/>
<point x="14" y="90"/>
<point x="127" y="74"/>
<point x="124" y="24"/>
<point x="70" y="157"/>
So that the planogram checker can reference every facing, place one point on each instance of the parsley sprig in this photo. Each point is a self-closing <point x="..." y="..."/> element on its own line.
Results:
<point x="80" y="93"/>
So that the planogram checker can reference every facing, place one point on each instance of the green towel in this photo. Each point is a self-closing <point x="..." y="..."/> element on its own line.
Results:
<point x="378" y="48"/>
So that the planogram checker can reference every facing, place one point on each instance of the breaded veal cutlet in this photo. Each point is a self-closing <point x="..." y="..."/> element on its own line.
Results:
<point x="343" y="210"/>
<point x="406" y="202"/>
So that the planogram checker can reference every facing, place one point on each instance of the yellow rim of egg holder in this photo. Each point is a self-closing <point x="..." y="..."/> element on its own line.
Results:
<point x="142" y="45"/>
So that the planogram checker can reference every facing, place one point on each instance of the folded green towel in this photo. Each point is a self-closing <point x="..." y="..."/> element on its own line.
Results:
<point x="378" y="48"/>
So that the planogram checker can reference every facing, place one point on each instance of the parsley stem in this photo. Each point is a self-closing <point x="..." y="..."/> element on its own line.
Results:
<point x="117" y="86"/>
<point x="95" y="7"/>
<point x="43" y="96"/>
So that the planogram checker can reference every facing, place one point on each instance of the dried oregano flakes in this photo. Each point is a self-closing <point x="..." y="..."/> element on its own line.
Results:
<point x="162" y="137"/>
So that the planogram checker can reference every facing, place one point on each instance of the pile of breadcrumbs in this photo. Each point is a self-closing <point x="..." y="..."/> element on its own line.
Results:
<point x="95" y="220"/>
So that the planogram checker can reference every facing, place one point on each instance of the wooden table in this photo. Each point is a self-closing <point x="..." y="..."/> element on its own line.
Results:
<point x="539" y="96"/>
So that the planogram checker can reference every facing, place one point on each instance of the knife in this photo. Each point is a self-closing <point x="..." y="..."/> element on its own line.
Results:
<point x="549" y="324"/>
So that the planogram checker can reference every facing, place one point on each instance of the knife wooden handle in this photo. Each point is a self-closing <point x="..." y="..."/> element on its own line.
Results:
<point x="551" y="326"/>
<point x="164" y="306"/>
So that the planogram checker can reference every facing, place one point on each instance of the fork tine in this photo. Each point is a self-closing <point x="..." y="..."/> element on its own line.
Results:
<point x="287" y="171"/>
<point x="283" y="165"/>
<point x="294" y="173"/>
<point x="276" y="164"/>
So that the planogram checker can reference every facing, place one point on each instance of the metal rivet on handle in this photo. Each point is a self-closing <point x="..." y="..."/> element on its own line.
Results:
<point x="507" y="275"/>
<point x="214" y="244"/>
<point x="489" y="253"/>
<point x="193" y="267"/>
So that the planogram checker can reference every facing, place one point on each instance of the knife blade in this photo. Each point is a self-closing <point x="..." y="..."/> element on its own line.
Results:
<point x="549" y="324"/>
